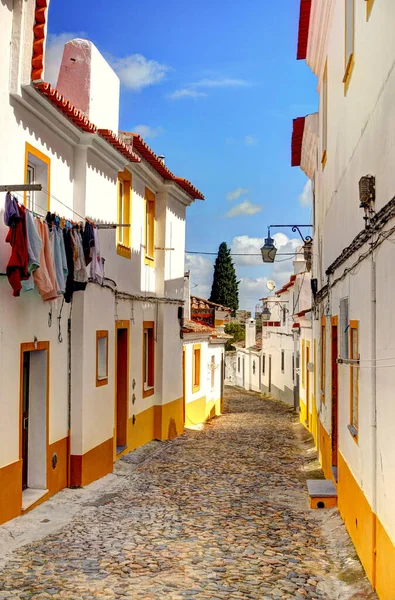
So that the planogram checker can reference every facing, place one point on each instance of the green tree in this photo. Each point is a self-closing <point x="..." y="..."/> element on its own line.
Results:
<point x="237" y="331"/>
<point x="225" y="288"/>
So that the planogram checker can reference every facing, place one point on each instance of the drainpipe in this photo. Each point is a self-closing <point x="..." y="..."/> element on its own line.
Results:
<point x="69" y="397"/>
<point x="374" y="409"/>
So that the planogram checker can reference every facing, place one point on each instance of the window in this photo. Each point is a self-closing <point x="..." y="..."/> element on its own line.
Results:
<point x="253" y="367"/>
<point x="349" y="42"/>
<point x="37" y="170"/>
<point x="124" y="214"/>
<point x="354" y="372"/>
<point x="212" y="366"/>
<point x="284" y="315"/>
<point x="303" y="364"/>
<point x="196" y="368"/>
<point x="344" y="327"/>
<point x="238" y="364"/>
<point x="282" y="361"/>
<point x="323" y="358"/>
<point x="150" y="201"/>
<point x="324" y="105"/>
<point x="101" y="358"/>
<point x="369" y="6"/>
<point x="263" y="363"/>
<point x="293" y="367"/>
<point x="148" y="358"/>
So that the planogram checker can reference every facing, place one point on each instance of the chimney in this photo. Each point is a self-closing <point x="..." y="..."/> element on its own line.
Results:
<point x="187" y="295"/>
<point x="88" y="81"/>
<point x="162" y="159"/>
<point x="250" y="333"/>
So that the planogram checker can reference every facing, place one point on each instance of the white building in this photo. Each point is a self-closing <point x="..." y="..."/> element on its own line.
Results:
<point x="348" y="152"/>
<point x="248" y="359"/>
<point x="84" y="382"/>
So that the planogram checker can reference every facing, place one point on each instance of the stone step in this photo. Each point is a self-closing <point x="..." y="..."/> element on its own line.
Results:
<point x="322" y="493"/>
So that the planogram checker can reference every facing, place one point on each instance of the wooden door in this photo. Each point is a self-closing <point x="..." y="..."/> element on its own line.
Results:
<point x="122" y="389"/>
<point x="25" y="418"/>
<point x="335" y="392"/>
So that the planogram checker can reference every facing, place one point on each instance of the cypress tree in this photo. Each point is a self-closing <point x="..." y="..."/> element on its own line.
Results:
<point x="225" y="288"/>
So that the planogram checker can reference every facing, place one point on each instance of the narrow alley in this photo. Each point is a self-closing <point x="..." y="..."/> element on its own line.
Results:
<point x="218" y="513"/>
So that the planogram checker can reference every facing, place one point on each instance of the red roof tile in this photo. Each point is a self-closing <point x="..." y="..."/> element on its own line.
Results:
<point x="68" y="109"/>
<point x="297" y="139"/>
<point x="189" y="188"/>
<point x="39" y="39"/>
<point x="195" y="327"/>
<point x="304" y="25"/>
<point x="115" y="141"/>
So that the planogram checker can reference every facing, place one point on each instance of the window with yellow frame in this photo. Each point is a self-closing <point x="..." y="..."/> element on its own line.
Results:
<point x="150" y="207"/>
<point x="354" y="378"/>
<point x="37" y="170"/>
<point x="349" y="38"/>
<point x="124" y="213"/>
<point x="324" y="108"/>
<point x="196" y="360"/>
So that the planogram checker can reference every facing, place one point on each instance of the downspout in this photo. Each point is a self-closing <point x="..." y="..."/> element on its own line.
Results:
<point x="374" y="409"/>
<point x="69" y="397"/>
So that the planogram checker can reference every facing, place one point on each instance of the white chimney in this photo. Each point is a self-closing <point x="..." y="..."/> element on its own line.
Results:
<point x="250" y="333"/>
<point x="88" y="81"/>
<point x="187" y="295"/>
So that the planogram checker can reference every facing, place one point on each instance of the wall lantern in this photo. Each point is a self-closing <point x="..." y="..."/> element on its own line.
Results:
<point x="268" y="250"/>
<point x="266" y="314"/>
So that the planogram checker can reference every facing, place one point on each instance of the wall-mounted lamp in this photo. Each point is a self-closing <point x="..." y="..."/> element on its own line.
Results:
<point x="269" y="250"/>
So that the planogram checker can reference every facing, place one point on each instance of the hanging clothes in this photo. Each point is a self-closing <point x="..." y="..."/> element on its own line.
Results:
<point x="34" y="245"/>
<point x="45" y="277"/>
<point x="17" y="267"/>
<point x="97" y="265"/>
<point x="80" y="274"/>
<point x="69" y="249"/>
<point x="11" y="210"/>
<point x="88" y="242"/>
<point x="59" y="257"/>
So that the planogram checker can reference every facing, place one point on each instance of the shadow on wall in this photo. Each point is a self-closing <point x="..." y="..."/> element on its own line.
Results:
<point x="172" y="432"/>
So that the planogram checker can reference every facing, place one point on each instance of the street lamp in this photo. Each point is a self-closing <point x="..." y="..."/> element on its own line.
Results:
<point x="266" y="314"/>
<point x="268" y="250"/>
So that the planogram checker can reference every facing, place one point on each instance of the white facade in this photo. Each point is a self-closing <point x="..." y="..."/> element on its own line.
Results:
<point x="85" y="422"/>
<point x="351" y="49"/>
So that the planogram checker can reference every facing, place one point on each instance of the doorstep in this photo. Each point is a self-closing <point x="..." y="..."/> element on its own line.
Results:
<point x="30" y="496"/>
<point x="322" y="493"/>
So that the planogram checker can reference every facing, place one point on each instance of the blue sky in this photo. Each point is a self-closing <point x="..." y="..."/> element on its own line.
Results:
<point x="215" y="86"/>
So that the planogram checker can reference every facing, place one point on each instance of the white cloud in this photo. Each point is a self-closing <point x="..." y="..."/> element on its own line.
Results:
<point x="148" y="132"/>
<point x="137" y="72"/>
<point x="186" y="93"/>
<point x="244" y="208"/>
<point x="236" y="193"/>
<point x="201" y="274"/>
<point x="250" y="140"/>
<point x="250" y="290"/>
<point x="218" y="83"/>
<point x="306" y="197"/>
<point x="54" y="54"/>
<point x="243" y="244"/>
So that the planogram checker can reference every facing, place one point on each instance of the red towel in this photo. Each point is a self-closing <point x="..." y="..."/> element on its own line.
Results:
<point x="17" y="268"/>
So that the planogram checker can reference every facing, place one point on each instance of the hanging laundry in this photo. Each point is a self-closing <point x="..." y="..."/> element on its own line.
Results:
<point x="97" y="265"/>
<point x="60" y="260"/>
<point x="17" y="267"/>
<point x="69" y="249"/>
<point x="80" y="274"/>
<point x="44" y="277"/>
<point x="34" y="245"/>
<point x="11" y="210"/>
<point x="88" y="242"/>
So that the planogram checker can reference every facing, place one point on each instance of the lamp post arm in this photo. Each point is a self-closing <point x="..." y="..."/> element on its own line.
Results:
<point x="294" y="229"/>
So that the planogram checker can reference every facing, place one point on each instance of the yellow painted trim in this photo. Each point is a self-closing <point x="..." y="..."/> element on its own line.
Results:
<point x="219" y="322"/>
<point x="348" y="60"/>
<point x="29" y="149"/>
<point x="124" y="246"/>
<point x="323" y="361"/>
<point x="150" y="209"/>
<point x="101" y="333"/>
<point x="369" y="6"/>
<point x="196" y="375"/>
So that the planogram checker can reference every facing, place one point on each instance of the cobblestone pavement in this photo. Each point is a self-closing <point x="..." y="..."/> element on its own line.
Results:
<point x="219" y="513"/>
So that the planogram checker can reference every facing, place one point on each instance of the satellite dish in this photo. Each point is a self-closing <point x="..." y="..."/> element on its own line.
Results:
<point x="271" y="285"/>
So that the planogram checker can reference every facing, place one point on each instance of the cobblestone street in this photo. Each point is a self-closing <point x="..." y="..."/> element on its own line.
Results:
<point x="219" y="513"/>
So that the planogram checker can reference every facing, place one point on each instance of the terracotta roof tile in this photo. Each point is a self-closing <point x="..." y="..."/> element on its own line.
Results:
<point x="195" y="327"/>
<point x="297" y="139"/>
<point x="304" y="26"/>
